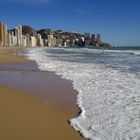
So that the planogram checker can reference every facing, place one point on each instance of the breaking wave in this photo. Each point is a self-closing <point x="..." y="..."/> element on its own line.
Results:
<point x="108" y="85"/>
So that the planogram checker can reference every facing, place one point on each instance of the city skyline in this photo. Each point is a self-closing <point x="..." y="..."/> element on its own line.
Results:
<point x="26" y="36"/>
<point x="118" y="21"/>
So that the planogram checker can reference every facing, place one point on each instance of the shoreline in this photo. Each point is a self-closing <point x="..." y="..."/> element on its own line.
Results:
<point x="64" y="112"/>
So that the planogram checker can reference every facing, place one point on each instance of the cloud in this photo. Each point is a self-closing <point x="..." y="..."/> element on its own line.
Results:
<point x="37" y="1"/>
<point x="81" y="12"/>
<point x="33" y="2"/>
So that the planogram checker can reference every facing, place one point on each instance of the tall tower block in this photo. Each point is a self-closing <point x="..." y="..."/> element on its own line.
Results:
<point x="98" y="38"/>
<point x="18" y="32"/>
<point x="3" y="34"/>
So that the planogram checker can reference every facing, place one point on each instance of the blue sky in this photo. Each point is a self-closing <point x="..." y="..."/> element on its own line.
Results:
<point x="117" y="20"/>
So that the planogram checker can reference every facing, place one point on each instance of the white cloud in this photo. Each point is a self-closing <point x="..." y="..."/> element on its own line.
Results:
<point x="32" y="1"/>
<point x="81" y="11"/>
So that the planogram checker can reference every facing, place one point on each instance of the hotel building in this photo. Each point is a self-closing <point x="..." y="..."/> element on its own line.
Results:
<point x="87" y="37"/>
<point x="51" y="40"/>
<point x="40" y="40"/>
<point x="33" y="41"/>
<point x="3" y="34"/>
<point x="98" y="38"/>
<point x="18" y="33"/>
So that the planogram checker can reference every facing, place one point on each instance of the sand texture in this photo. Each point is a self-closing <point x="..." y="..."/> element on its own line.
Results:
<point x="26" y="117"/>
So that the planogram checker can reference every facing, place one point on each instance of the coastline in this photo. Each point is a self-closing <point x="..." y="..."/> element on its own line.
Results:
<point x="43" y="113"/>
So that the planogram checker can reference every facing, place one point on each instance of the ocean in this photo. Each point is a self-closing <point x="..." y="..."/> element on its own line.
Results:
<point x="108" y="86"/>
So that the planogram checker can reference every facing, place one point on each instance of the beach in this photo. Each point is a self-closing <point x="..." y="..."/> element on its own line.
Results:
<point x="34" y="105"/>
<point x="107" y="82"/>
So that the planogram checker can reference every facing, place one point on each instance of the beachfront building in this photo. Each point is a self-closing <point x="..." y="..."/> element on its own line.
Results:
<point x="98" y="38"/>
<point x="3" y="34"/>
<point x="65" y="44"/>
<point x="9" y="39"/>
<point x="33" y="41"/>
<point x="71" y="39"/>
<point x="51" y="40"/>
<point x="40" y="40"/>
<point x="28" y="41"/>
<point x="24" y="40"/>
<point x="18" y="33"/>
<point x="13" y="39"/>
<point x="26" y="36"/>
<point x="58" y="41"/>
<point x="87" y="37"/>
<point x="93" y="38"/>
<point x="54" y="42"/>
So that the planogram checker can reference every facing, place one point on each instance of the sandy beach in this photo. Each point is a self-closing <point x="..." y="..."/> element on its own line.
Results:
<point x="34" y="105"/>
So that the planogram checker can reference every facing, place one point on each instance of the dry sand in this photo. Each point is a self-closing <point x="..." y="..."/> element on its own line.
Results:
<point x="26" y="117"/>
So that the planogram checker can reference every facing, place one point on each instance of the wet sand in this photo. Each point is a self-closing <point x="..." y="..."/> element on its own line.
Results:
<point x="50" y="87"/>
<point x="43" y="116"/>
<point x="8" y="56"/>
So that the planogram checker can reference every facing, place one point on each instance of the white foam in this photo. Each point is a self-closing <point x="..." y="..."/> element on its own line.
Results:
<point x="109" y="99"/>
<point x="133" y="52"/>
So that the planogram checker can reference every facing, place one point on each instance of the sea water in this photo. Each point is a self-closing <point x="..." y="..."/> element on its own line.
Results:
<point x="108" y="86"/>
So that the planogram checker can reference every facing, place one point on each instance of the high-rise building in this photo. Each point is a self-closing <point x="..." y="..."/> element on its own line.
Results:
<point x="33" y="41"/>
<point x="18" y="32"/>
<point x="28" y="44"/>
<point x="93" y="37"/>
<point x="98" y="38"/>
<point x="93" y="40"/>
<point x="9" y="39"/>
<point x="87" y="37"/>
<point x="65" y="44"/>
<point x="24" y="40"/>
<point x="51" y="40"/>
<point x="71" y="39"/>
<point x="3" y="34"/>
<point x="40" y="40"/>
<point x="13" y="39"/>
<point x="58" y="41"/>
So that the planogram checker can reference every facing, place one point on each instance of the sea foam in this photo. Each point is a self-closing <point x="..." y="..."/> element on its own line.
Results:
<point x="109" y="98"/>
